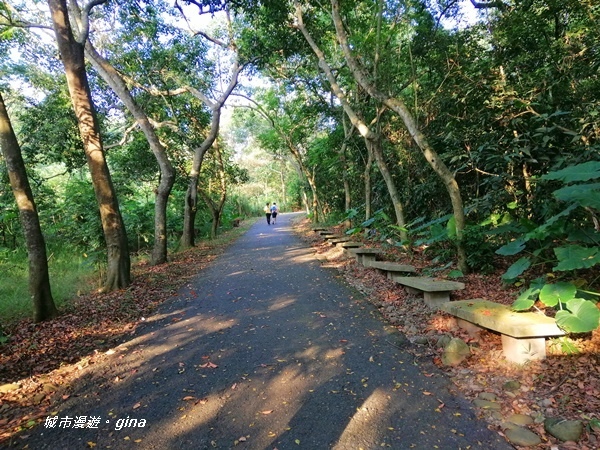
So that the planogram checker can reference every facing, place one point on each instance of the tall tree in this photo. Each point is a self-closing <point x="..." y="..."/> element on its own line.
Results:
<point x="397" y="105"/>
<point x="372" y="139"/>
<point x="167" y="173"/>
<point x="216" y="106"/>
<point x="216" y="205"/>
<point x="191" y="197"/>
<point x="39" y="279"/>
<point x="289" y="131"/>
<point x="72" y="55"/>
<point x="348" y="131"/>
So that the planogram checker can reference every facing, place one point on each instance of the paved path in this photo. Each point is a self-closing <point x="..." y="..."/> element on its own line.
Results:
<point x="266" y="350"/>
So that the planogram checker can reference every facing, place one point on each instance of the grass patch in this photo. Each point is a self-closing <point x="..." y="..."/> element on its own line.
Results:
<point x="72" y="273"/>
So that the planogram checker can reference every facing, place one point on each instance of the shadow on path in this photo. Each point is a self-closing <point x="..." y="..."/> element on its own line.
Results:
<point x="265" y="349"/>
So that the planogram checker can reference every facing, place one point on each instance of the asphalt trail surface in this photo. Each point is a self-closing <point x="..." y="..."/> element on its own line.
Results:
<point x="265" y="349"/>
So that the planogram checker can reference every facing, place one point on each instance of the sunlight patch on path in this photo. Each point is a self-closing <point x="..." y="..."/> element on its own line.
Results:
<point x="282" y="303"/>
<point x="366" y="423"/>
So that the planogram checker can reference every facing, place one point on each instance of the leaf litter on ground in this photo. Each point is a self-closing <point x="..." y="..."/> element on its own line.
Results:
<point x="565" y="386"/>
<point x="54" y="353"/>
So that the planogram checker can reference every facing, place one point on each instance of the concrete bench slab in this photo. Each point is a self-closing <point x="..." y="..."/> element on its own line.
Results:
<point x="435" y="292"/>
<point x="340" y="239"/>
<point x="366" y="251"/>
<point x="365" y="256"/>
<point x="325" y="233"/>
<point x="523" y="333"/>
<point x="317" y="229"/>
<point x="392" y="267"/>
<point x="350" y="244"/>
<point x="329" y="237"/>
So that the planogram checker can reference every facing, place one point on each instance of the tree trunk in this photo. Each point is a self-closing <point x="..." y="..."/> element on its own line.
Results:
<point x="364" y="130"/>
<point x="309" y="178"/>
<point x="72" y="55"/>
<point x="305" y="201"/>
<point x="316" y="206"/>
<point x="189" y="214"/>
<point x="389" y="182"/>
<point x="191" y="196"/>
<point x="39" y="280"/>
<point x="345" y="178"/>
<point x="367" y="179"/>
<point x="216" y="208"/>
<point x="302" y="176"/>
<point x="167" y="172"/>
<point x="398" y="106"/>
<point x="283" y="188"/>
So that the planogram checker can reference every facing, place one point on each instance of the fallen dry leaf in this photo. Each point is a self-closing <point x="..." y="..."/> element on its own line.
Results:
<point x="208" y="365"/>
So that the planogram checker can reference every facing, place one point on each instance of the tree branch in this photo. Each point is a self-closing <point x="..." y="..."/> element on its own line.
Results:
<point x="211" y="39"/>
<point x="11" y="21"/>
<point x="85" y="19"/>
<point x="123" y="140"/>
<point x="490" y="4"/>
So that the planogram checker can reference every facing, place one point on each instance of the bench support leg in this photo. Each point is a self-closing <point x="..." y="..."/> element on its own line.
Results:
<point x="469" y="327"/>
<point x="522" y="350"/>
<point x="392" y="275"/>
<point x="367" y="259"/>
<point x="435" y="299"/>
<point x="412" y="291"/>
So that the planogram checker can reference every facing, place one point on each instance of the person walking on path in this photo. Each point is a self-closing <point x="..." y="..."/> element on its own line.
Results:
<point x="274" y="212"/>
<point x="267" y="211"/>
<point x="264" y="349"/>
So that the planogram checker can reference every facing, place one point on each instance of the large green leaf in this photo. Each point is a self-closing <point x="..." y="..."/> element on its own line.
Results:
<point x="455" y="274"/>
<point x="586" y="194"/>
<point x="368" y="222"/>
<point x="512" y="248"/>
<point x="584" y="235"/>
<point x="525" y="300"/>
<point x="579" y="172"/>
<point x="551" y="294"/>
<point x="572" y="257"/>
<point x="517" y="268"/>
<point x="583" y="316"/>
<point x="542" y="231"/>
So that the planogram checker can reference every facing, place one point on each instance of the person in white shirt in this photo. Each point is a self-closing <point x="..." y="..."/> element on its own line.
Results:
<point x="274" y="211"/>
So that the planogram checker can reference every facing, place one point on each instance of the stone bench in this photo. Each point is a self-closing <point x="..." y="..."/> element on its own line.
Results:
<point x="339" y="240"/>
<point x="523" y="333"/>
<point x="329" y="237"/>
<point x="325" y="233"/>
<point x="317" y="229"/>
<point x="364" y="255"/>
<point x="392" y="268"/>
<point x="349" y="244"/>
<point x="435" y="292"/>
